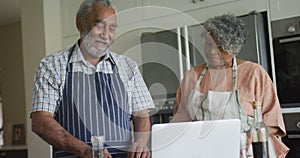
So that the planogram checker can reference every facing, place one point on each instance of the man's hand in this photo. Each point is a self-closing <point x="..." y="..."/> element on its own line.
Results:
<point x="139" y="150"/>
<point x="141" y="125"/>
<point x="89" y="154"/>
<point x="107" y="154"/>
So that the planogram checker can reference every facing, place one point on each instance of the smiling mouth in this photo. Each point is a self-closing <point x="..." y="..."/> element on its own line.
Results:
<point x="101" y="44"/>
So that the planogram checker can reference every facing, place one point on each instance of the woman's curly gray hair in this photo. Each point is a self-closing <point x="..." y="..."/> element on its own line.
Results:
<point x="229" y="32"/>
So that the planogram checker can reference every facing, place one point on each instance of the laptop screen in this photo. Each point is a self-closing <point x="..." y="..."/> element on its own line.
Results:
<point x="199" y="139"/>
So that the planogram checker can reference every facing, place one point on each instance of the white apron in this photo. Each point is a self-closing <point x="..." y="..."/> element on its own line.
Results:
<point x="216" y="105"/>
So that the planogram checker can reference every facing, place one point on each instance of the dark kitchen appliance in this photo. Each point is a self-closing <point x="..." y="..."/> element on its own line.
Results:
<point x="292" y="139"/>
<point x="286" y="44"/>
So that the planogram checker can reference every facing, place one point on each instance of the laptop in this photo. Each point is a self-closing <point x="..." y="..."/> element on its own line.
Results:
<point x="199" y="139"/>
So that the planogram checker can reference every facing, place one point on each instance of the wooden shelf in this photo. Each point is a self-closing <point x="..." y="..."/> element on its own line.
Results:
<point x="13" y="147"/>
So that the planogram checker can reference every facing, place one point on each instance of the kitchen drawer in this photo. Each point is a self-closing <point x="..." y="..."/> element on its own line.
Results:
<point x="292" y="139"/>
<point x="292" y="123"/>
<point x="13" y="154"/>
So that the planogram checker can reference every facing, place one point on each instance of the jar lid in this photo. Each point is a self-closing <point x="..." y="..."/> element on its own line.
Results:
<point x="256" y="104"/>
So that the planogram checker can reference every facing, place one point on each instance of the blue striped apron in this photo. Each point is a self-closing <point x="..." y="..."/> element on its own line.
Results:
<point x="95" y="104"/>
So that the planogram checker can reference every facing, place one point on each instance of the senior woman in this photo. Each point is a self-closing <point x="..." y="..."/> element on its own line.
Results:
<point x="225" y="86"/>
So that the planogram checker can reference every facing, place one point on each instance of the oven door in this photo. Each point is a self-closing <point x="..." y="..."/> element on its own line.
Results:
<point x="287" y="66"/>
<point x="292" y="139"/>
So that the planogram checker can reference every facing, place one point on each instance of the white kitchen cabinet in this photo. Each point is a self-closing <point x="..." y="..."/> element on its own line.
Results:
<point x="184" y="5"/>
<point x="177" y="6"/>
<point x="68" y="9"/>
<point x="281" y="9"/>
<point x="122" y="5"/>
<point x="68" y="16"/>
<point x="171" y="9"/>
<point x="128" y="11"/>
<point x="157" y="14"/>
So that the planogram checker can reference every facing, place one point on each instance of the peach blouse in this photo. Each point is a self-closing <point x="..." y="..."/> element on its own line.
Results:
<point x="253" y="84"/>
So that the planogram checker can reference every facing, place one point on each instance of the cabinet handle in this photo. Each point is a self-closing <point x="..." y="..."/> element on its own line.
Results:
<point x="298" y="124"/>
<point x="195" y="1"/>
<point x="294" y="136"/>
<point x="3" y="154"/>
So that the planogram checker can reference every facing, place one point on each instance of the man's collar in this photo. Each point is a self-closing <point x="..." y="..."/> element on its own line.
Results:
<point x="109" y="57"/>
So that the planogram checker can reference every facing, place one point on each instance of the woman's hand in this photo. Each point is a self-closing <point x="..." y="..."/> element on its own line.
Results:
<point x="249" y="141"/>
<point x="139" y="150"/>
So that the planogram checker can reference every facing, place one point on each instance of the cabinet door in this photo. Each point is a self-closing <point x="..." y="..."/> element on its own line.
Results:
<point x="128" y="11"/>
<point x="128" y="4"/>
<point x="183" y="5"/>
<point x="281" y="9"/>
<point x="68" y="9"/>
<point x="68" y="15"/>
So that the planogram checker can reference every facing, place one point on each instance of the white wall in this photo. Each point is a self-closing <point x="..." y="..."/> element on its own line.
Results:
<point x="33" y="50"/>
<point x="41" y="32"/>
<point x="11" y="62"/>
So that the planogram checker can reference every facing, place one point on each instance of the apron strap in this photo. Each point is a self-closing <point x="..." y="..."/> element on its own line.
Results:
<point x="234" y="73"/>
<point x="200" y="77"/>
<point x="71" y="50"/>
<point x="68" y="69"/>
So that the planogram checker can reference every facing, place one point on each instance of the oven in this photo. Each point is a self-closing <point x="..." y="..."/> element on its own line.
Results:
<point x="286" y="46"/>
<point x="292" y="139"/>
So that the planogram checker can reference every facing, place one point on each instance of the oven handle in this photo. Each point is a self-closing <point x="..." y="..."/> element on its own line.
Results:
<point x="292" y="39"/>
<point x="293" y="136"/>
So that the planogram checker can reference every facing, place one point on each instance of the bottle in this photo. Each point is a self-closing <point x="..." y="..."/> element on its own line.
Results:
<point x="98" y="146"/>
<point x="259" y="134"/>
<point x="243" y="145"/>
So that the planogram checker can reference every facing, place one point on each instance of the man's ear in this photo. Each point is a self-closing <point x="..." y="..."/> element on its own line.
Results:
<point x="79" y="24"/>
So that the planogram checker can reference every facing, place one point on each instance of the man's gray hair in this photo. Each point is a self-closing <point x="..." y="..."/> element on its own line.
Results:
<point x="229" y="32"/>
<point x="86" y="7"/>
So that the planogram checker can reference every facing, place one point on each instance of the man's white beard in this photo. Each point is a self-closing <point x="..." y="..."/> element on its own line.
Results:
<point x="91" y="49"/>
